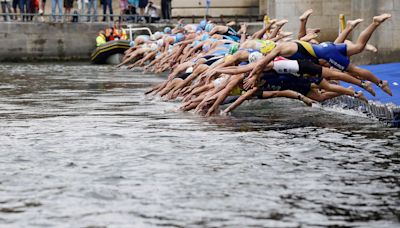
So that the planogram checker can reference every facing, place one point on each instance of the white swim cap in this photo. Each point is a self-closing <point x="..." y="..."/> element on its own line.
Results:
<point x="160" y="42"/>
<point x="189" y="70"/>
<point x="255" y="56"/>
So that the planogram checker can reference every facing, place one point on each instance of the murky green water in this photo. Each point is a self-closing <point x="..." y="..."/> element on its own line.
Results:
<point x="81" y="146"/>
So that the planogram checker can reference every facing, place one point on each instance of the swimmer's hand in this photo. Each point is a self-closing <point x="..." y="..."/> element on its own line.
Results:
<point x="249" y="82"/>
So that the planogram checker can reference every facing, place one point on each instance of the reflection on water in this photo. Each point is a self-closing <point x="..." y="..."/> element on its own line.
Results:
<point x="82" y="146"/>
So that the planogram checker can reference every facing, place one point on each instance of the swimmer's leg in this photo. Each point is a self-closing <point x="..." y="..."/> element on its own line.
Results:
<point x="366" y="35"/>
<point x="303" y="23"/>
<point x="346" y="31"/>
<point x="367" y="75"/>
<point x="288" y="94"/>
<point x="331" y="74"/>
<point x="341" y="90"/>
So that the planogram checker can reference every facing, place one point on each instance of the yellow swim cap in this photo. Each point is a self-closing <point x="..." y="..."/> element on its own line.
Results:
<point x="267" y="46"/>
<point x="228" y="58"/>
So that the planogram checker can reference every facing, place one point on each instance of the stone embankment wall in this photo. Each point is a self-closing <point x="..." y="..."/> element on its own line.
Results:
<point x="51" y="41"/>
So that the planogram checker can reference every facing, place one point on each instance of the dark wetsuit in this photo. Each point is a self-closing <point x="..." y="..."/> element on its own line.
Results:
<point x="184" y="76"/>
<point x="279" y="82"/>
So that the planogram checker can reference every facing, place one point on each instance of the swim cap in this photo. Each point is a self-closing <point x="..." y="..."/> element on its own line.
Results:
<point x="189" y="70"/>
<point x="167" y="30"/>
<point x="195" y="43"/>
<point x="255" y="56"/>
<point x="228" y="58"/>
<point x="209" y="27"/>
<point x="206" y="47"/>
<point x="267" y="46"/>
<point x="160" y="42"/>
<point x="157" y="35"/>
<point x="203" y="24"/>
<point x="219" y="81"/>
<point x="132" y="43"/>
<point x="170" y="48"/>
<point x="153" y="46"/>
<point x="179" y="37"/>
<point x="233" y="49"/>
<point x="204" y="37"/>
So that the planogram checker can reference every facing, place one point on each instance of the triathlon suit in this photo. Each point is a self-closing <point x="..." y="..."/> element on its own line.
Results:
<point x="300" y="67"/>
<point x="279" y="82"/>
<point x="335" y="54"/>
<point x="183" y="76"/>
<point x="231" y="34"/>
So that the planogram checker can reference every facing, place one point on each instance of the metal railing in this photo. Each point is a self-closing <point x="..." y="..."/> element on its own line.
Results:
<point x="74" y="17"/>
<point x="83" y="17"/>
<point x="223" y="18"/>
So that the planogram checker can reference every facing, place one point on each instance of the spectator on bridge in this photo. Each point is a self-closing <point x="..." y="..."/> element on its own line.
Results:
<point x="107" y="3"/>
<point x="151" y="13"/>
<point x="54" y="4"/>
<point x="6" y="6"/>
<point x="92" y="4"/>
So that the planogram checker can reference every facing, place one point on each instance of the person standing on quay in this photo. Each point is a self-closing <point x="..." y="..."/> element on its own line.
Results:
<point x="92" y="4"/>
<point x="142" y="6"/>
<point x="68" y="4"/>
<point x="109" y="4"/>
<point x="54" y="4"/>
<point x="165" y="9"/>
<point x="5" y="6"/>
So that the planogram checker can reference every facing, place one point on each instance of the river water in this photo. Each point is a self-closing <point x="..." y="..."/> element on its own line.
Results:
<point x="81" y="146"/>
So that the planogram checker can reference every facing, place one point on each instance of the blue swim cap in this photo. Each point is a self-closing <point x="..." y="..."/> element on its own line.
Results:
<point x="179" y="37"/>
<point x="199" y="29"/>
<point x="167" y="30"/>
<point x="209" y="27"/>
<point x="195" y="43"/>
<point x="206" y="47"/>
<point x="203" y="24"/>
<point x="132" y="43"/>
<point x="204" y="37"/>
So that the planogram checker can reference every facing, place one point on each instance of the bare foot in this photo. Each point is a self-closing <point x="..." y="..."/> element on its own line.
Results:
<point x="314" y="30"/>
<point x="381" y="18"/>
<point x="281" y="22"/>
<point x="368" y="87"/>
<point x="307" y="100"/>
<point x="385" y="87"/>
<point x="287" y="39"/>
<point x="354" y="23"/>
<point x="371" y="48"/>
<point x="305" y="15"/>
<point x="361" y="96"/>
<point x="285" y="34"/>
<point x="273" y="21"/>
<point x="309" y="37"/>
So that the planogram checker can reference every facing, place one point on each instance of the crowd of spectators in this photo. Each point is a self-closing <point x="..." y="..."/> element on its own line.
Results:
<point x="85" y="10"/>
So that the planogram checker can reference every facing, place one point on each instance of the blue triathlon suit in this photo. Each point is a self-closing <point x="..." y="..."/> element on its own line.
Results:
<point x="335" y="54"/>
